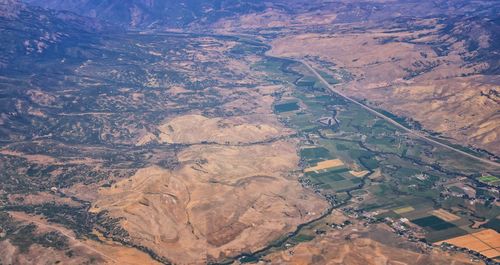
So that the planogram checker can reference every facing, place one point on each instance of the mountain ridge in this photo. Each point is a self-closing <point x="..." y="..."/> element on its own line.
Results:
<point x="142" y="14"/>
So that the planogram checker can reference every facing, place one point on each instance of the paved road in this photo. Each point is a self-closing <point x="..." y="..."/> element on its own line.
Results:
<point x="395" y="123"/>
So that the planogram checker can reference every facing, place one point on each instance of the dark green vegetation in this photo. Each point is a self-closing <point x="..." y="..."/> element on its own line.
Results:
<point x="439" y="229"/>
<point x="76" y="95"/>
<point x="315" y="154"/>
<point x="78" y="92"/>
<point x="404" y="171"/>
<point x="74" y="102"/>
<point x="284" y="107"/>
<point x="24" y="236"/>
<point x="493" y="224"/>
<point x="433" y="223"/>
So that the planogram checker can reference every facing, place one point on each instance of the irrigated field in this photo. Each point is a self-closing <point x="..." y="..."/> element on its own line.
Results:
<point x="169" y="147"/>
<point x="395" y="170"/>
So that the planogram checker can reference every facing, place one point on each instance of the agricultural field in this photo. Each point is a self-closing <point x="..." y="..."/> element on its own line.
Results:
<point x="249" y="132"/>
<point x="401" y="177"/>
<point x="284" y="107"/>
<point x="491" y="180"/>
<point x="324" y="165"/>
<point x="162" y="147"/>
<point x="486" y="242"/>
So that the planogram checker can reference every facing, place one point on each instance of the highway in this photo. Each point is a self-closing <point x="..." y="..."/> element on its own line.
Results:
<point x="395" y="123"/>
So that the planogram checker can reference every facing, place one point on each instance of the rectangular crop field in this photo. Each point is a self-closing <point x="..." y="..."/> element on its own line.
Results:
<point x="284" y="107"/>
<point x="325" y="177"/>
<point x="402" y="210"/>
<point x="359" y="174"/>
<point x="315" y="153"/>
<point x="445" y="215"/>
<point x="487" y="242"/>
<point x="433" y="223"/>
<point x="488" y="179"/>
<point x="332" y="163"/>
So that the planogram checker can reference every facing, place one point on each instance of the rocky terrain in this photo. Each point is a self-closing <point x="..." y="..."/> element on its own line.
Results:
<point x="177" y="132"/>
<point x="101" y="147"/>
<point x="139" y="14"/>
<point x="444" y="64"/>
<point x="410" y="55"/>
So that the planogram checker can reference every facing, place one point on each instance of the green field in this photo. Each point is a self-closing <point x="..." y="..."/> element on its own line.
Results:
<point x="489" y="179"/>
<point x="284" y="107"/>
<point x="315" y="154"/>
<point x="409" y="170"/>
<point x="303" y="238"/>
<point x="493" y="224"/>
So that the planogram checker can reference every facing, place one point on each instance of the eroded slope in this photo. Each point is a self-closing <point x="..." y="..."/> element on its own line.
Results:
<point x="222" y="201"/>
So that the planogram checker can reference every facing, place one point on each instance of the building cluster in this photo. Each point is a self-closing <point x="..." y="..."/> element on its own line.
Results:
<point x="403" y="228"/>
<point x="333" y="199"/>
<point x="462" y="187"/>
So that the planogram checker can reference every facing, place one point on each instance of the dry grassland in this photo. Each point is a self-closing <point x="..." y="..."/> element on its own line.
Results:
<point x="487" y="242"/>
<point x="189" y="129"/>
<point x="325" y="165"/>
<point x="491" y="253"/>
<point x="445" y="215"/>
<point x="440" y="97"/>
<point x="103" y="252"/>
<point x="359" y="249"/>
<point x="404" y="210"/>
<point x="359" y="174"/>
<point x="222" y="201"/>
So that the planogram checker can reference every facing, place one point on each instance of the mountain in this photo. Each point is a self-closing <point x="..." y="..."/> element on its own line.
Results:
<point x="130" y="135"/>
<point x="436" y="62"/>
<point x="29" y="31"/>
<point x="137" y="14"/>
<point x="10" y="8"/>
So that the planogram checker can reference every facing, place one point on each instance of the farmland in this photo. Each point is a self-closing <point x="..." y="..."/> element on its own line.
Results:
<point x="486" y="242"/>
<point x="491" y="180"/>
<point x="158" y="149"/>
<point x="367" y="167"/>
<point x="284" y="107"/>
<point x="266" y="140"/>
<point x="404" y="176"/>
